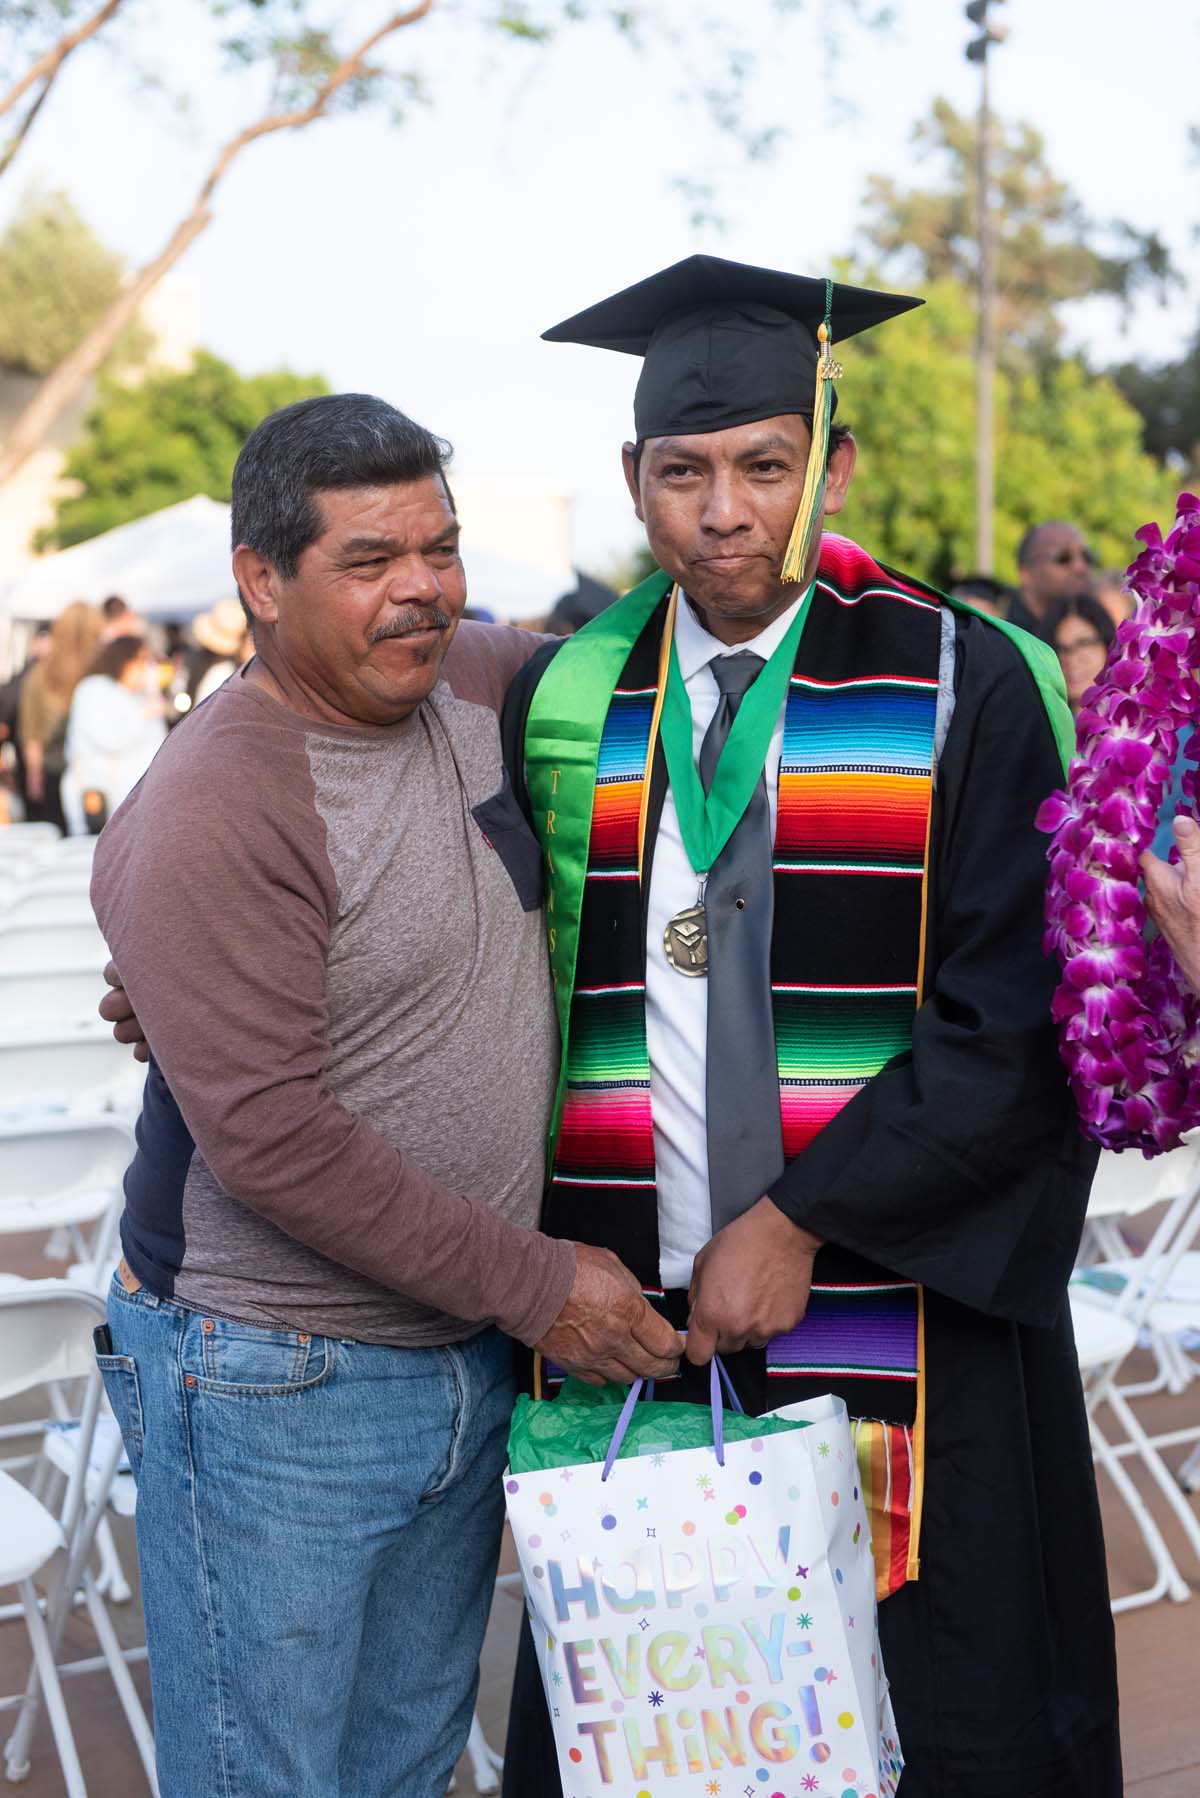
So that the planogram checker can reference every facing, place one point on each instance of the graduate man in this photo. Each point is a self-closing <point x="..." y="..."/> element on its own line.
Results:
<point x="809" y="1088"/>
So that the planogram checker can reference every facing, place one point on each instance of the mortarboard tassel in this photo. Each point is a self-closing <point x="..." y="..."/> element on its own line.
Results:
<point x="812" y="499"/>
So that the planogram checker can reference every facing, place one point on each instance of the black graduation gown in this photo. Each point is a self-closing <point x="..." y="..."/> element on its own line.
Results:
<point x="960" y="1165"/>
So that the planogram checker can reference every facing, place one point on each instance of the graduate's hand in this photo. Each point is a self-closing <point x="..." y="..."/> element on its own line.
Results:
<point x="606" y="1330"/>
<point x="1173" y="898"/>
<point x="749" y="1283"/>
<point x="116" y="1009"/>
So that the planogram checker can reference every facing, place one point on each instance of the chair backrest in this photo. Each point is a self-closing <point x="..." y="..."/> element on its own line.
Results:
<point x="46" y="1334"/>
<point x="25" y="836"/>
<point x="47" y="1163"/>
<point x="1127" y="1184"/>
<point x="34" y="905"/>
<point x="81" y="1067"/>
<point x="50" y="945"/>
<point x="34" y="1000"/>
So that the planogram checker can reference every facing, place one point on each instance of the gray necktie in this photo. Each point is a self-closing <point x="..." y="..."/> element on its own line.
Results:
<point x="745" y="1133"/>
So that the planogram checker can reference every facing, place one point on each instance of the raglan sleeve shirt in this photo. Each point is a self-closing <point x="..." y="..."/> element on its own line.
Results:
<point x="216" y="896"/>
<point x="961" y="1164"/>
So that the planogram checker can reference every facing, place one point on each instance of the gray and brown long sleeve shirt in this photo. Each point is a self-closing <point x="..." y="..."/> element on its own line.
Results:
<point x="332" y="938"/>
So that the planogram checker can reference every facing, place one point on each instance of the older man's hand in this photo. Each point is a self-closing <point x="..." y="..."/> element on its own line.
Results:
<point x="750" y="1283"/>
<point x="1173" y="898"/>
<point x="116" y="1009"/>
<point x="606" y="1330"/>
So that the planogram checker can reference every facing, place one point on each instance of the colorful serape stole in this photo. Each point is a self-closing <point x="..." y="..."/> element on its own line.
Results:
<point x="851" y="848"/>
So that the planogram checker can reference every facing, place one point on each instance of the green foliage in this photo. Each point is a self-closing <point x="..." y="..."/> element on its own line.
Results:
<point x="1168" y="399"/>
<point x="1047" y="249"/>
<point x="172" y="436"/>
<point x="56" y="279"/>
<point x="1068" y="445"/>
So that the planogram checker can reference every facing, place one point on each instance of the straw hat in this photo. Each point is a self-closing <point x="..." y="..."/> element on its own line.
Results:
<point x="222" y="629"/>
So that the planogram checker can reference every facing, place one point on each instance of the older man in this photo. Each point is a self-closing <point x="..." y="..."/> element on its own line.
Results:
<point x="325" y="906"/>
<point x="1054" y="563"/>
<point x="810" y="1088"/>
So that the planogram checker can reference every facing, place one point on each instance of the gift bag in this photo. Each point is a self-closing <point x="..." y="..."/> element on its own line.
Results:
<point x="704" y="1617"/>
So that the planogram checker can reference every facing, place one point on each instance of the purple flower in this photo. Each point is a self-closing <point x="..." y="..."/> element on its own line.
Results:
<point x="1129" y="1025"/>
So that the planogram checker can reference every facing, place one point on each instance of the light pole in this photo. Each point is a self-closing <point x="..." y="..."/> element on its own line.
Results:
<point x="990" y="33"/>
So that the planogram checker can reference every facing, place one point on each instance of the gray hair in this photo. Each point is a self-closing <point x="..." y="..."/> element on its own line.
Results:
<point x="321" y="445"/>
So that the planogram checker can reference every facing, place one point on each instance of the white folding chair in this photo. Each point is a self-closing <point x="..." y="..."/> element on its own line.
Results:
<point x="65" y="1173"/>
<point x="1127" y="1185"/>
<point x="46" y="1337"/>
<point x="22" y="838"/>
<point x="53" y="875"/>
<point x="1158" y="1293"/>
<point x="32" y="944"/>
<point x="50" y="996"/>
<point x="33" y="905"/>
<point x="77" y="1068"/>
<point x="1103" y="1339"/>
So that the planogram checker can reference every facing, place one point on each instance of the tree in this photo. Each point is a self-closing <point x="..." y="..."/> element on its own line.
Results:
<point x="171" y="436"/>
<point x="19" y="17"/>
<point x="308" y="74"/>
<point x="1068" y="446"/>
<point x="1047" y="248"/>
<point x="1168" y="399"/>
<point x="56" y="280"/>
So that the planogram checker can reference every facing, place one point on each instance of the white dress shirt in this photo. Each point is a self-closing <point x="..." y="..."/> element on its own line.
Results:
<point x="676" y="1005"/>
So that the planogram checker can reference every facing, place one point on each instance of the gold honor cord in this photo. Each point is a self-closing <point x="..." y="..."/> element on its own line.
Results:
<point x="812" y="498"/>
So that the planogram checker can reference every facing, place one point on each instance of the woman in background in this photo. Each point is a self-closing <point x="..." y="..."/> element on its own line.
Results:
<point x="116" y="724"/>
<point x="1081" y="631"/>
<point x="221" y="639"/>
<point x="45" y="705"/>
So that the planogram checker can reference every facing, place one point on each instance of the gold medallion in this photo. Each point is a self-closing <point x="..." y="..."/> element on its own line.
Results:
<point x="685" y="941"/>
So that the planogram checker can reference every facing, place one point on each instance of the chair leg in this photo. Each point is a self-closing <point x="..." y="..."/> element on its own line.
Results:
<point x="1168" y="1581"/>
<point x="111" y="1580"/>
<point x="60" y="1601"/>
<point x="135" y="1716"/>
<point x="486" y="1764"/>
<point x="56" y="1710"/>
<point x="1156" y="1467"/>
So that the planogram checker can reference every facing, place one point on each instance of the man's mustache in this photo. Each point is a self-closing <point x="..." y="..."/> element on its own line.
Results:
<point x="412" y="618"/>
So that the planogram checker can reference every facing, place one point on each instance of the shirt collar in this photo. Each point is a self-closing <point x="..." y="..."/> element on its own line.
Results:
<point x="695" y="646"/>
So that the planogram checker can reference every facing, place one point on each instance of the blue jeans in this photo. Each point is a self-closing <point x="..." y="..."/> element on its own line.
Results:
<point x="318" y="1527"/>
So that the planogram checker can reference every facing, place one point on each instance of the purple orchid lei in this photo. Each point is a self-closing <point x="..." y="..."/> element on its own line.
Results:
<point x="1129" y="1022"/>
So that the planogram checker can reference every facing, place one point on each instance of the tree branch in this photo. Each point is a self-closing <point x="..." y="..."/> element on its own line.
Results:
<point x="26" y="125"/>
<point x="63" y="383"/>
<point x="47" y="66"/>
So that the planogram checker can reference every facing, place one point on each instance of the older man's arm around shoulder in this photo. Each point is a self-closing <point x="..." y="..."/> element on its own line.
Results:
<point x="215" y="891"/>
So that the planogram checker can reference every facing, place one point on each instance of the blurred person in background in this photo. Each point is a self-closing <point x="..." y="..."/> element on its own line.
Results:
<point x="115" y="726"/>
<point x="1054" y="563"/>
<point x="586" y="600"/>
<point x="45" y="705"/>
<point x="120" y="620"/>
<point x="1114" y="596"/>
<point x="222" y="645"/>
<point x="10" y="701"/>
<point x="984" y="593"/>
<point x="1081" y="631"/>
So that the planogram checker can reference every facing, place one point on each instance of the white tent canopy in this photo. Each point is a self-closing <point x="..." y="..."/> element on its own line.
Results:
<point x="170" y="564"/>
<point x="175" y="563"/>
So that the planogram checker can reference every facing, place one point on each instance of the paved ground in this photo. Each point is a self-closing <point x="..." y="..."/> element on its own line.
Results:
<point x="1159" y="1651"/>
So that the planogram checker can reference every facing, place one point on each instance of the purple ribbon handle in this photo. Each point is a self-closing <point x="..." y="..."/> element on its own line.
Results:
<point x="718" y="1377"/>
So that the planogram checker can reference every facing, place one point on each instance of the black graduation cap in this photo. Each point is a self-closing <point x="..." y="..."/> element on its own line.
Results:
<point x="726" y="344"/>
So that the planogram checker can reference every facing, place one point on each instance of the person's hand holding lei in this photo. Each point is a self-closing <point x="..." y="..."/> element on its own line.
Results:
<point x="1129" y="1016"/>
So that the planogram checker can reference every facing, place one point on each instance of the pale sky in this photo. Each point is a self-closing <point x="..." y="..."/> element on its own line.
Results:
<point x="422" y="262"/>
